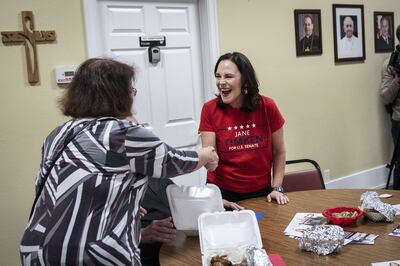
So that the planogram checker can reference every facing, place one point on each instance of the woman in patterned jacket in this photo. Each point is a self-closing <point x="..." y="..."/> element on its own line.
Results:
<point x="94" y="173"/>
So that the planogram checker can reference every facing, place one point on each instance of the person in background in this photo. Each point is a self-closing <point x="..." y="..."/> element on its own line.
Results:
<point x="389" y="93"/>
<point x="350" y="45"/>
<point x="94" y="173"/>
<point x="385" y="41"/>
<point x="246" y="129"/>
<point x="157" y="225"/>
<point x="310" y="42"/>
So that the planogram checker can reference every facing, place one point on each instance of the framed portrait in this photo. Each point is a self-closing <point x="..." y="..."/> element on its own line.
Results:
<point x="308" y="33"/>
<point x="384" y="32"/>
<point x="348" y="32"/>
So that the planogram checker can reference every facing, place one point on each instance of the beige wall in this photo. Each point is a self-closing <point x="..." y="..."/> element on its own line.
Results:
<point x="28" y="113"/>
<point x="332" y="111"/>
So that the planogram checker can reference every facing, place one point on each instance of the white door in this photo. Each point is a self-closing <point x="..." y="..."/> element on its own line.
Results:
<point x="170" y="94"/>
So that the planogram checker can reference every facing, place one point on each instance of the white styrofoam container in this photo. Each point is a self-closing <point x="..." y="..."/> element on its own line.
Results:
<point x="188" y="202"/>
<point x="227" y="230"/>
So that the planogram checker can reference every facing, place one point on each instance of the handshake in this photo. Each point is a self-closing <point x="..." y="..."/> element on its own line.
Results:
<point x="208" y="158"/>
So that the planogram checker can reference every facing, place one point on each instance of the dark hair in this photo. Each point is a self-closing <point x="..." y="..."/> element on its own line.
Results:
<point x="251" y="100"/>
<point x="398" y="32"/>
<point x="100" y="87"/>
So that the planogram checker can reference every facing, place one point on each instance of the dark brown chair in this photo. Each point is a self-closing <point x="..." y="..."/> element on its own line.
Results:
<point x="308" y="179"/>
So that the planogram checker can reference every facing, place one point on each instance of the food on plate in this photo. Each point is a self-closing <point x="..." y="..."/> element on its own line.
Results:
<point x="344" y="214"/>
<point x="221" y="260"/>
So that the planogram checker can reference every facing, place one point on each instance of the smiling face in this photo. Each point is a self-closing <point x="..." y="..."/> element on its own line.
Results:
<point x="229" y="83"/>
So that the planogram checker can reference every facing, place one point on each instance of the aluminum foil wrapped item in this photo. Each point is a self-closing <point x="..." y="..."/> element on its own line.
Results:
<point x="370" y="200"/>
<point x="369" y="195"/>
<point x="322" y="239"/>
<point x="257" y="257"/>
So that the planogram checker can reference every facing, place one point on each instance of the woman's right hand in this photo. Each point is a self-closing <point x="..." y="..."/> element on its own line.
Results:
<point x="211" y="166"/>
<point x="208" y="157"/>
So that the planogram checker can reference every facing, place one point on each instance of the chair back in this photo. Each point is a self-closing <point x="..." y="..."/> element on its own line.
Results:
<point x="308" y="179"/>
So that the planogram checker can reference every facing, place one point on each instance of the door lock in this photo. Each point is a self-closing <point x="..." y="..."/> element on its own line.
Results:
<point x="154" y="54"/>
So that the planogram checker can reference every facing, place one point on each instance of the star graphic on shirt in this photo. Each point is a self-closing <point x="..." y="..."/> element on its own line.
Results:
<point x="253" y="125"/>
<point x="241" y="127"/>
<point x="229" y="128"/>
<point x="235" y="127"/>
<point x="247" y="126"/>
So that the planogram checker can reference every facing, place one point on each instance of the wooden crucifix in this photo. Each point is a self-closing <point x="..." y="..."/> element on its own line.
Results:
<point x="29" y="37"/>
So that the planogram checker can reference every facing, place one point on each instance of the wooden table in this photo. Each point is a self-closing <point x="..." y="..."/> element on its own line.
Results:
<point x="278" y="217"/>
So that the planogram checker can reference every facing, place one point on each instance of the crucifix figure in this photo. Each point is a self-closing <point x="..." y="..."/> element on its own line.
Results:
<point x="29" y="37"/>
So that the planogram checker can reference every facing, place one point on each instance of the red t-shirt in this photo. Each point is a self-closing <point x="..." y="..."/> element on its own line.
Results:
<point x="244" y="144"/>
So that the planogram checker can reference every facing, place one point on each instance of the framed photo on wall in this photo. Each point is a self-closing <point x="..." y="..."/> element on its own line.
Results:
<point x="384" y="32"/>
<point x="308" y="33"/>
<point x="348" y="32"/>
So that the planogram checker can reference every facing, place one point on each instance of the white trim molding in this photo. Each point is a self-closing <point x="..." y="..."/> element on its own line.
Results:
<point x="374" y="178"/>
<point x="209" y="43"/>
<point x="92" y="26"/>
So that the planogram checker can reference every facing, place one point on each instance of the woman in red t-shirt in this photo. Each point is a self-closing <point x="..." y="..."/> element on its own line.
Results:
<point x="246" y="129"/>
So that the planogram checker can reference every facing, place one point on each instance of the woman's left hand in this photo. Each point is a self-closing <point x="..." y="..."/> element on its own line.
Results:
<point x="142" y="212"/>
<point x="278" y="196"/>
<point x="232" y="205"/>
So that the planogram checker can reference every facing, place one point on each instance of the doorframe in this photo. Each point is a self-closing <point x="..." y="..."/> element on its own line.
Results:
<point x="209" y="38"/>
